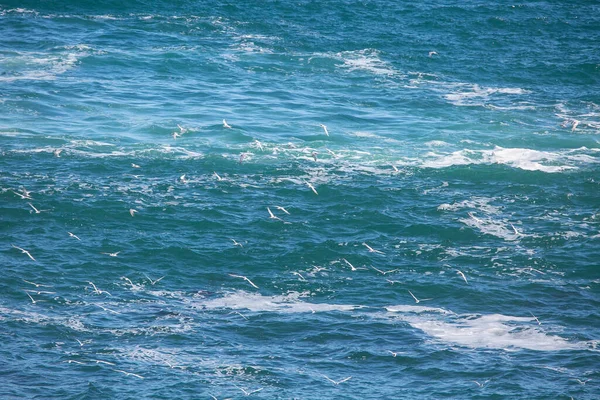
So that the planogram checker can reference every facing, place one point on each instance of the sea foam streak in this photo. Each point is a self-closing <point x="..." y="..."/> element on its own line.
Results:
<point x="289" y="303"/>
<point x="525" y="159"/>
<point x="494" y="331"/>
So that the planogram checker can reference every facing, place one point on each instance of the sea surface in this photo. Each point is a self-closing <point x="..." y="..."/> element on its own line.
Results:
<point x="334" y="199"/>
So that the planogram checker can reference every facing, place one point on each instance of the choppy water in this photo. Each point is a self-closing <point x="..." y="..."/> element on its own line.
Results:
<point x="462" y="137"/>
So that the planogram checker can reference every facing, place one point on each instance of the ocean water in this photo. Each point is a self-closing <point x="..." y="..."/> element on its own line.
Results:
<point x="439" y="238"/>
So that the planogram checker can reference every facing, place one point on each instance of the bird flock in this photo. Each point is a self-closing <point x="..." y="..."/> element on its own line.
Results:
<point x="26" y="195"/>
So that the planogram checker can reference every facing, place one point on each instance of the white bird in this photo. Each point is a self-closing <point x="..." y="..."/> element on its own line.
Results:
<point x="218" y="177"/>
<point x="384" y="272"/>
<point x="582" y="382"/>
<point x="242" y="157"/>
<point x="314" y="155"/>
<point x="36" y="284"/>
<point x="432" y="53"/>
<point x="32" y="300"/>
<point x="135" y="165"/>
<point x="128" y="280"/>
<point x="128" y="373"/>
<point x="337" y="382"/>
<point x="248" y="393"/>
<point x="392" y="353"/>
<point x="244" y="278"/>
<point x="154" y="282"/>
<point x="176" y="135"/>
<point x="311" y="187"/>
<point x="299" y="275"/>
<point x="24" y="251"/>
<point x="331" y="152"/>
<point x="372" y="250"/>
<point x="57" y="152"/>
<point x="107" y="309"/>
<point x="259" y="145"/>
<point x="74" y="362"/>
<point x="26" y="192"/>
<point x="103" y="362"/>
<point x="536" y="270"/>
<point x="417" y="300"/>
<point x="23" y="196"/>
<point x="182" y="179"/>
<point x="182" y="130"/>
<point x="575" y="123"/>
<point x="98" y="291"/>
<point x="132" y="211"/>
<point x="35" y="209"/>
<point x="324" y="129"/>
<point x="226" y="125"/>
<point x="462" y="275"/>
<point x="481" y="384"/>
<point x="352" y="267"/>
<point x="38" y="291"/>
<point x="173" y="366"/>
<point x="273" y="216"/>
<point x="392" y="282"/>
<point x="112" y="254"/>
<point x="73" y="235"/>
<point x="282" y="209"/>
<point x="240" y="314"/>
<point x="534" y="317"/>
<point x="395" y="169"/>
<point x="235" y="243"/>
<point x="515" y="230"/>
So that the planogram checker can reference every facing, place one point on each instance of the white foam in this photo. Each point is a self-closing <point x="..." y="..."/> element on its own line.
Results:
<point x="365" y="60"/>
<point x="477" y="203"/>
<point x="493" y="331"/>
<point x="436" y="143"/>
<point x="490" y="226"/>
<point x="38" y="66"/>
<point x="464" y="94"/>
<point x="416" y="309"/>
<point x="18" y="11"/>
<point x="71" y="322"/>
<point x="525" y="159"/>
<point x="289" y="303"/>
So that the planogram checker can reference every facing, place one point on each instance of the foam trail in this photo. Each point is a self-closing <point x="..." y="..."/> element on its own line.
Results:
<point x="492" y="331"/>
<point x="282" y="303"/>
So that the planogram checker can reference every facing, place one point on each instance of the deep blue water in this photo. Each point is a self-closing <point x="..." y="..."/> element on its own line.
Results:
<point x="463" y="149"/>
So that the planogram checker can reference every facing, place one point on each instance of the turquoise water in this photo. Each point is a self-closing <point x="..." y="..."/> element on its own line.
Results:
<point x="463" y="149"/>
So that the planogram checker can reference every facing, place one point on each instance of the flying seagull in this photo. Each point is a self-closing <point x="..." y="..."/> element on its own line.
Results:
<point x="244" y="278"/>
<point x="24" y="251"/>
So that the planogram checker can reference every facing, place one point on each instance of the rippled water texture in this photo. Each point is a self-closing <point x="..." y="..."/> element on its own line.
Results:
<point x="343" y="199"/>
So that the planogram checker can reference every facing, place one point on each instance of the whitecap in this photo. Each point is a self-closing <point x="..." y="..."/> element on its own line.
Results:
<point x="525" y="159"/>
<point x="494" y="331"/>
<point x="464" y="94"/>
<point x="491" y="331"/>
<point x="490" y="226"/>
<point x="36" y="65"/>
<point x="289" y="303"/>
<point x="416" y="309"/>
<point x="365" y="60"/>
